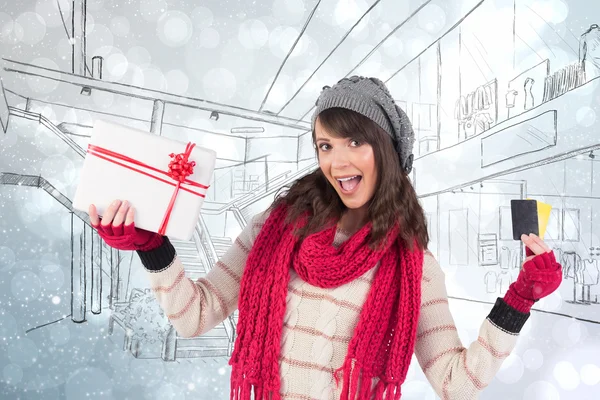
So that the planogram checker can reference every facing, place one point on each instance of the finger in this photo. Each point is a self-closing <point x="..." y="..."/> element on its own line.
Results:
<point x="112" y="209"/>
<point x="121" y="212"/>
<point x="117" y="230"/>
<point x="107" y="230"/>
<point x="546" y="261"/>
<point x="540" y="242"/>
<point x="533" y="246"/>
<point x="129" y="217"/>
<point x="93" y="213"/>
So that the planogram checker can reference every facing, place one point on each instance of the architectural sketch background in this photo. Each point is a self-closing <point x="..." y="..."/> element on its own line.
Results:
<point x="504" y="98"/>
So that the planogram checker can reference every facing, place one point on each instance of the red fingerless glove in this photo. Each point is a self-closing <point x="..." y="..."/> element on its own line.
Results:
<point x="539" y="277"/>
<point x="128" y="237"/>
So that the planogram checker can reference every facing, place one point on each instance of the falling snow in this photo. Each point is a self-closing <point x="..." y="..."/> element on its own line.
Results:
<point x="232" y="52"/>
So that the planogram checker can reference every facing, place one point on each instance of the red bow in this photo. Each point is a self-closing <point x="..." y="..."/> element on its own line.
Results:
<point x="179" y="169"/>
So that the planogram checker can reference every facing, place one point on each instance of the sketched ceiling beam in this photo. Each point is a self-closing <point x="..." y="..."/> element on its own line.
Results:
<point x="546" y="160"/>
<point x="26" y="69"/>
<point x="312" y="13"/>
<point x="417" y="56"/>
<point x="435" y="41"/>
<point x="342" y="40"/>
<point x="381" y="42"/>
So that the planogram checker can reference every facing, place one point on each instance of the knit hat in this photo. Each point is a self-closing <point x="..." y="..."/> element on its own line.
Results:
<point x="371" y="98"/>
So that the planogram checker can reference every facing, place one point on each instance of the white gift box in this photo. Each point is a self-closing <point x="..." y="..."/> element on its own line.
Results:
<point x="103" y="181"/>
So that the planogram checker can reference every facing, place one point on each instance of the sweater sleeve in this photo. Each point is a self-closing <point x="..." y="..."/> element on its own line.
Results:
<point x="196" y="307"/>
<point x="454" y="371"/>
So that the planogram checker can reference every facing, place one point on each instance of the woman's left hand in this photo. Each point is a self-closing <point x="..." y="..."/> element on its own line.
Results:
<point x="540" y="276"/>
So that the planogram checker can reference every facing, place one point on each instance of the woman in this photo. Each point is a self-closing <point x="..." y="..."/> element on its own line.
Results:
<point x="334" y="284"/>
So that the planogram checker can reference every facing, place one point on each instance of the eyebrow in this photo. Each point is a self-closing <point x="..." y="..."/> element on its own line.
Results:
<point x="320" y="138"/>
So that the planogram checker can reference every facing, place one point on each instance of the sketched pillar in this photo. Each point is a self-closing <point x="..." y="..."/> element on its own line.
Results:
<point x="97" y="67"/>
<point x="158" y="111"/>
<point x="4" y="110"/>
<point x="96" y="273"/>
<point x="114" y="257"/>
<point x="78" y="41"/>
<point x="81" y="260"/>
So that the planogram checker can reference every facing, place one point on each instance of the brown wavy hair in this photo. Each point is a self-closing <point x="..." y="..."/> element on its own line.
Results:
<point x="394" y="200"/>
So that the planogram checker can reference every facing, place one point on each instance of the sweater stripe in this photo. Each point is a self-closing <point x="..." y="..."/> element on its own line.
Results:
<point x="167" y="289"/>
<point x="319" y="297"/>
<point x="476" y="382"/>
<point x="434" y="302"/>
<point x="441" y="328"/>
<point x="315" y="332"/>
<point x="202" y="323"/>
<point x="187" y="305"/>
<point x="215" y="292"/>
<point x="439" y="356"/>
<point x="305" y="364"/>
<point x="491" y="350"/>
<point x="245" y="248"/>
<point x="229" y="271"/>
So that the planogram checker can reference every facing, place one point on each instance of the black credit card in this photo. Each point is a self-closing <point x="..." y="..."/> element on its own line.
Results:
<point x="524" y="218"/>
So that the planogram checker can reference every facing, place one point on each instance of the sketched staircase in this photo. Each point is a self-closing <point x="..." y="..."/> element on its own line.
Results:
<point x="191" y="260"/>
<point x="198" y="257"/>
<point x="14" y="179"/>
<point x="60" y="133"/>
<point x="221" y="244"/>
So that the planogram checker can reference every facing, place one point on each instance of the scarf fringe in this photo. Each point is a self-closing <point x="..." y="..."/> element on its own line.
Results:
<point x="243" y="389"/>
<point x="385" y="389"/>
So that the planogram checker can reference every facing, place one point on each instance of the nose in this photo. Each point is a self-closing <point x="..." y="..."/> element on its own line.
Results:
<point x="340" y="158"/>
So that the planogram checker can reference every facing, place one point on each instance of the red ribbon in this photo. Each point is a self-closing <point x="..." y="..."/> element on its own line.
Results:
<point x="178" y="169"/>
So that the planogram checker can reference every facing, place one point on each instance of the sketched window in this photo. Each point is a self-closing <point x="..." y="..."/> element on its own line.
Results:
<point x="571" y="225"/>
<point x="253" y="182"/>
<point x="238" y="180"/>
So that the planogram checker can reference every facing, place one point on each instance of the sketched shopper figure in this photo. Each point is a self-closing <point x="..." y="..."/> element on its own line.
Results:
<point x="334" y="283"/>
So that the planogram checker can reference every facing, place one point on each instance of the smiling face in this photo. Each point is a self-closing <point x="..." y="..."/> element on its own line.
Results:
<point x="348" y="163"/>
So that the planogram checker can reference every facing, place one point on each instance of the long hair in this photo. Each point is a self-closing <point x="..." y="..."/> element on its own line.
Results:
<point x="394" y="199"/>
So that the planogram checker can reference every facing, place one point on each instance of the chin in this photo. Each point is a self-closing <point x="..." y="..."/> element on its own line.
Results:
<point x="353" y="204"/>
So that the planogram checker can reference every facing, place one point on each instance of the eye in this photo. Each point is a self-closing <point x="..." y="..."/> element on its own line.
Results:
<point x="355" y="143"/>
<point x="324" y="146"/>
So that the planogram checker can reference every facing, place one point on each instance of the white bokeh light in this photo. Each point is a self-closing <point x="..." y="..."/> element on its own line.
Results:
<point x="30" y="28"/>
<point x="174" y="28"/>
<point x="566" y="375"/>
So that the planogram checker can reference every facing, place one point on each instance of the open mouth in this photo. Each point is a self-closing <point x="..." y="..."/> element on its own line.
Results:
<point x="349" y="184"/>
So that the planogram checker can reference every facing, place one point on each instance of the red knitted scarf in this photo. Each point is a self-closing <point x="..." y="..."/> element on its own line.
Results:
<point x="384" y="338"/>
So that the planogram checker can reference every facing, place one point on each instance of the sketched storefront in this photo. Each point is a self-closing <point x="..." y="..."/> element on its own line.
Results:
<point x="511" y="123"/>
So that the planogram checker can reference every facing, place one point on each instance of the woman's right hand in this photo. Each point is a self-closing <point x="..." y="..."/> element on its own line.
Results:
<point x="117" y="229"/>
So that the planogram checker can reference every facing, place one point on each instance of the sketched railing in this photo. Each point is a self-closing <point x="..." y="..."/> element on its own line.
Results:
<point x="266" y="189"/>
<point x="203" y="242"/>
<point x="9" y="178"/>
<point x="78" y="314"/>
<point x="33" y="116"/>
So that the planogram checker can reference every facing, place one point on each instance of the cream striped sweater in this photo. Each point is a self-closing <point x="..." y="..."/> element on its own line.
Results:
<point x="319" y="323"/>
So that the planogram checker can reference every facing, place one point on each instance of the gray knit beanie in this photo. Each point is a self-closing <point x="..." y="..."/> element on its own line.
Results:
<point x="371" y="98"/>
